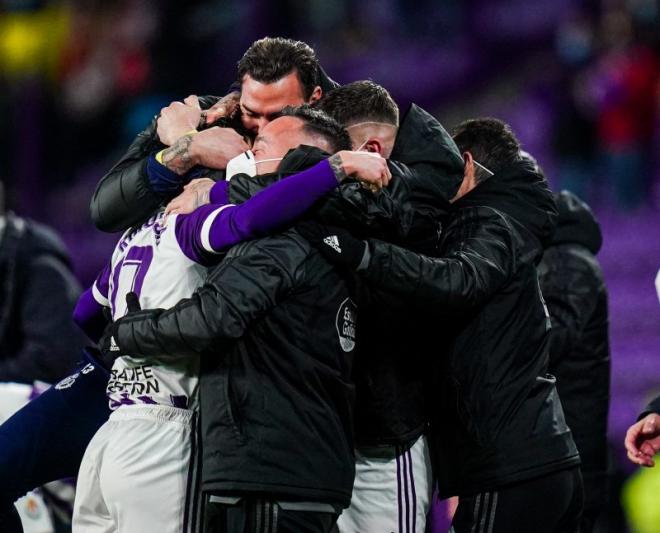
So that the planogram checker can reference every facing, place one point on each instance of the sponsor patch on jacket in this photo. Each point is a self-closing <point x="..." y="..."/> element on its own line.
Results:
<point x="346" y="323"/>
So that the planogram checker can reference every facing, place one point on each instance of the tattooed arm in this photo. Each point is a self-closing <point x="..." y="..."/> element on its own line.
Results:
<point x="211" y="148"/>
<point x="126" y="195"/>
<point x="367" y="167"/>
<point x="177" y="157"/>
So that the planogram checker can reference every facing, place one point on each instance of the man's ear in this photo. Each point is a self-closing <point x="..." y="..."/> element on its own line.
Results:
<point x="316" y="95"/>
<point x="374" y="146"/>
<point x="468" y="161"/>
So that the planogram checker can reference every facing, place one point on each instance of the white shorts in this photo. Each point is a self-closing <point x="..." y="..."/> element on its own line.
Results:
<point x="392" y="490"/>
<point x="135" y="473"/>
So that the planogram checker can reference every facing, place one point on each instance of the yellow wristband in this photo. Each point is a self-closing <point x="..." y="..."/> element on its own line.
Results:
<point x="159" y="156"/>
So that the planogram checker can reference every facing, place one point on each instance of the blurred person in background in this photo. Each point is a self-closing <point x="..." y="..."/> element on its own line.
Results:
<point x="38" y="339"/>
<point x="624" y="87"/>
<point x="574" y="290"/>
<point x="574" y="135"/>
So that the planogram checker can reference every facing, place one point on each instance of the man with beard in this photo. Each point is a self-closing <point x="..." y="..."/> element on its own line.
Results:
<point x="272" y="74"/>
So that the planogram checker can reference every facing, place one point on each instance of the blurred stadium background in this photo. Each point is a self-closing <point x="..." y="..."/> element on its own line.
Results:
<point x="579" y="81"/>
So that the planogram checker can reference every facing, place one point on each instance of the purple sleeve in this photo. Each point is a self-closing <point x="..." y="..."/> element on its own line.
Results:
<point x="212" y="229"/>
<point x="88" y="315"/>
<point x="219" y="194"/>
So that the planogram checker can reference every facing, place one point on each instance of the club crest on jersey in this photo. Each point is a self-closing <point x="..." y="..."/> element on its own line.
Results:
<point x="67" y="381"/>
<point x="346" y="323"/>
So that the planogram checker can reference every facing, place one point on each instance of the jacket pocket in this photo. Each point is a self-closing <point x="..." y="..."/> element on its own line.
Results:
<point x="232" y="413"/>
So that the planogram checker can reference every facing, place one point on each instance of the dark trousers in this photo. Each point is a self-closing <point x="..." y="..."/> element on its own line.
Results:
<point x="548" y="504"/>
<point x="264" y="515"/>
<point x="46" y="439"/>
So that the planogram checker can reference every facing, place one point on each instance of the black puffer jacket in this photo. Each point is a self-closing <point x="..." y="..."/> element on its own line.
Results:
<point x="38" y="339"/>
<point x="574" y="290"/>
<point x="275" y="326"/>
<point x="427" y="170"/>
<point x="497" y="418"/>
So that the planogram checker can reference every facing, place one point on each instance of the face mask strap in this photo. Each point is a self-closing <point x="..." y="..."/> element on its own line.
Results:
<point x="362" y="145"/>
<point x="266" y="160"/>
<point x="490" y="172"/>
<point x="364" y="124"/>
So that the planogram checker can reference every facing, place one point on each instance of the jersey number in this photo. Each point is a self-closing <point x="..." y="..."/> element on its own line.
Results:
<point x="129" y="276"/>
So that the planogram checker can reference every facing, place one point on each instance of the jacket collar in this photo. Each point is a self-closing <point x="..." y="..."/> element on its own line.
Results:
<point x="521" y="192"/>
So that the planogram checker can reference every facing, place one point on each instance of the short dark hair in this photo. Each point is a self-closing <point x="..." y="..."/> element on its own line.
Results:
<point x="319" y="123"/>
<point x="272" y="58"/>
<point x="490" y="141"/>
<point x="360" y="101"/>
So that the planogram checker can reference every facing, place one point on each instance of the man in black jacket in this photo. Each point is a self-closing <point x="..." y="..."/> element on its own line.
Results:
<point x="501" y="441"/>
<point x="38" y="340"/>
<point x="574" y="290"/>
<point x="273" y="73"/>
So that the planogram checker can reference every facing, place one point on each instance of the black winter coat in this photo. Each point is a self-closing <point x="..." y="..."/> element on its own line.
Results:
<point x="574" y="290"/>
<point x="275" y="327"/>
<point x="497" y="418"/>
<point x="38" y="339"/>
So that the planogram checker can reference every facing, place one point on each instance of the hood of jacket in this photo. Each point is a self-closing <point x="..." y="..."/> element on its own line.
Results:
<point x="421" y="139"/>
<point x="521" y="192"/>
<point x="576" y="223"/>
<point x="35" y="239"/>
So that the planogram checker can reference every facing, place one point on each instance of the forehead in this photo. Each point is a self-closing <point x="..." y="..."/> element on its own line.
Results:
<point x="280" y="126"/>
<point x="267" y="98"/>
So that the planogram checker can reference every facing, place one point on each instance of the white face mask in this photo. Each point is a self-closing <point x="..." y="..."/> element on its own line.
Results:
<point x="245" y="164"/>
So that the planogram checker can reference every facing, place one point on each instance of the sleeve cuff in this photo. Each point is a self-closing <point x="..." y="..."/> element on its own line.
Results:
<point x="100" y="299"/>
<point x="161" y="179"/>
<point x="219" y="194"/>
